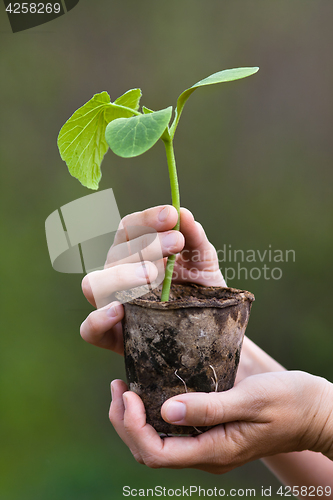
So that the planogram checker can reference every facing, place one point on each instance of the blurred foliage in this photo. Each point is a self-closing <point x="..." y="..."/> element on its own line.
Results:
<point x="255" y="166"/>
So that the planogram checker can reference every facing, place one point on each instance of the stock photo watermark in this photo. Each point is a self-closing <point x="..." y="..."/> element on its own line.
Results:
<point x="238" y="264"/>
<point x="25" y="15"/>
<point x="258" y="260"/>
<point x="215" y="492"/>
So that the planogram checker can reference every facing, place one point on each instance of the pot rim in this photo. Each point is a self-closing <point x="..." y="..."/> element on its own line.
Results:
<point x="218" y="297"/>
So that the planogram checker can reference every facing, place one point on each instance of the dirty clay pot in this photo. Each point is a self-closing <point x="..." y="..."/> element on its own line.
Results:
<point x="191" y="343"/>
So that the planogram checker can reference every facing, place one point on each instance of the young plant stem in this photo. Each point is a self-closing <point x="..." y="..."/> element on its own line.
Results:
<point x="125" y="108"/>
<point x="168" y="143"/>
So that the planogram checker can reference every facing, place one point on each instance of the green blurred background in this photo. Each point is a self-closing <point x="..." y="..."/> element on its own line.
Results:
<point x="255" y="168"/>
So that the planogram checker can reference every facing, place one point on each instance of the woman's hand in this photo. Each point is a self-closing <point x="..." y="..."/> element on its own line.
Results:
<point x="196" y="262"/>
<point x="262" y="415"/>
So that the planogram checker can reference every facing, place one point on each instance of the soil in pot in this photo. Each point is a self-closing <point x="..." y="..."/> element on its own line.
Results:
<point x="191" y="343"/>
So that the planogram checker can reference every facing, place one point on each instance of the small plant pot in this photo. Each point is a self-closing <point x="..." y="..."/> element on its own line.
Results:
<point x="190" y="344"/>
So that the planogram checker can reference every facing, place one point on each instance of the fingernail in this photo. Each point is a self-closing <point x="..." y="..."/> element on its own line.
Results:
<point x="124" y="400"/>
<point x="142" y="272"/>
<point x="111" y="391"/>
<point x="170" y="240"/>
<point x="163" y="215"/>
<point x="112" y="312"/>
<point x="175" y="411"/>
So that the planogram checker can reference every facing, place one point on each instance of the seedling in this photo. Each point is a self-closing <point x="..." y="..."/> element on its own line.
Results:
<point x="100" y="124"/>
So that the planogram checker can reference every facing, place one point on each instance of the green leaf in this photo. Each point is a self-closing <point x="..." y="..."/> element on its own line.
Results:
<point x="117" y="109"/>
<point x="81" y="140"/>
<point x="227" y="75"/>
<point x="128" y="137"/>
<point x="131" y="99"/>
<point x="147" y="110"/>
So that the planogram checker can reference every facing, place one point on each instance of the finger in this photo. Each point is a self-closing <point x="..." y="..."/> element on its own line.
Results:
<point x="205" y="409"/>
<point x="99" y="286"/>
<point x="102" y="328"/>
<point x="201" y="273"/>
<point x="116" y="414"/>
<point x="195" y="236"/>
<point x="150" y="247"/>
<point x="198" y="259"/>
<point x="87" y="291"/>
<point x="132" y="423"/>
<point x="161" y="218"/>
<point x="117" y="408"/>
<point x="141" y="436"/>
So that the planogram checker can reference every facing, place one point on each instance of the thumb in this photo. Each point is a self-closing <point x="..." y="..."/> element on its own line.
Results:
<point x="206" y="409"/>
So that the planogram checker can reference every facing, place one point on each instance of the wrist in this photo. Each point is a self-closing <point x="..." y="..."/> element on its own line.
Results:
<point x="254" y="360"/>
<point x="322" y="427"/>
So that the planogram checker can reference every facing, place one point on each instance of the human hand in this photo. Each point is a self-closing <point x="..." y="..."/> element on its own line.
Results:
<point x="262" y="415"/>
<point x="196" y="262"/>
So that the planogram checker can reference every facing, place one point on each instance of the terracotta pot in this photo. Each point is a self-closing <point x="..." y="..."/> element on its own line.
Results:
<point x="191" y="343"/>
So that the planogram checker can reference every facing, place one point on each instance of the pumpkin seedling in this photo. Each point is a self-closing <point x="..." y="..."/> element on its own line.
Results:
<point x="100" y="124"/>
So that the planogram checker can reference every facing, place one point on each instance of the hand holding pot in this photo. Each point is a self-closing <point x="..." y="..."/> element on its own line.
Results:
<point x="196" y="262"/>
<point x="262" y="415"/>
